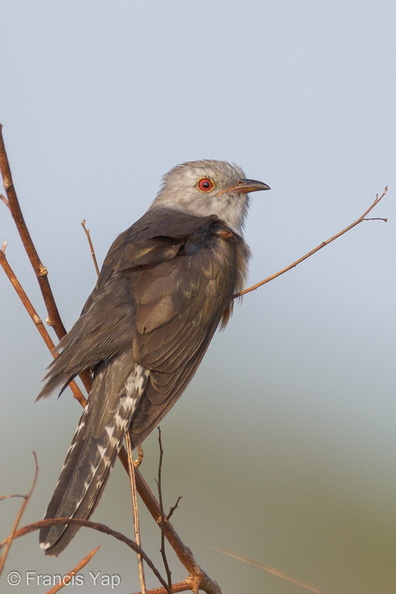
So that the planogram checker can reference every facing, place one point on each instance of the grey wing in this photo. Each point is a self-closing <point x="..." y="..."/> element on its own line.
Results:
<point x="179" y="305"/>
<point x="106" y="324"/>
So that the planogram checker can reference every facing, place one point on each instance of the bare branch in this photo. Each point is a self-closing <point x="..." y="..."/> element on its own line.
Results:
<point x="54" y="318"/>
<point x="36" y="320"/>
<point x="39" y="269"/>
<point x="318" y="247"/>
<point x="135" y="510"/>
<point x="162" y="518"/>
<point x="26" y="302"/>
<point x="26" y="498"/>
<point x="91" y="247"/>
<point x="271" y="570"/>
<point x="88" y="524"/>
<point x="16" y="495"/>
<point x="66" y="579"/>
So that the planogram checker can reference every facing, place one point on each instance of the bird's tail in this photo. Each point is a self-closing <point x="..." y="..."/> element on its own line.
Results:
<point x="117" y="386"/>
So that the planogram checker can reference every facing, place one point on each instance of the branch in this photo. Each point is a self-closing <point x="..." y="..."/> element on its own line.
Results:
<point x="91" y="247"/>
<point x="39" y="269"/>
<point x="78" y="395"/>
<point x="19" y="516"/>
<point x="135" y="510"/>
<point x="318" y="247"/>
<point x="88" y="524"/>
<point x="162" y="518"/>
<point x="37" y="321"/>
<point x="41" y="272"/>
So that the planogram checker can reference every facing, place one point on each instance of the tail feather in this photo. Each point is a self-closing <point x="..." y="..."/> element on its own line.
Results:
<point x="115" y="392"/>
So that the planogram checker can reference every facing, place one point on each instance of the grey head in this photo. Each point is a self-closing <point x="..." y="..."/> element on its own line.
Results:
<point x="203" y="188"/>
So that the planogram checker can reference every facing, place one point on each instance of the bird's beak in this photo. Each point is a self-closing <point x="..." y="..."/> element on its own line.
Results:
<point x="244" y="186"/>
<point x="250" y="185"/>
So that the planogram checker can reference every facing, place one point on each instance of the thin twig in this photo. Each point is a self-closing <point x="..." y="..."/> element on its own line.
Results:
<point x="19" y="516"/>
<point x="271" y="570"/>
<point x="318" y="247"/>
<point x="67" y="578"/>
<point x="173" y="508"/>
<point x="135" y="510"/>
<point x="162" y="519"/>
<point x="3" y="497"/>
<point x="94" y="526"/>
<point x="91" y="247"/>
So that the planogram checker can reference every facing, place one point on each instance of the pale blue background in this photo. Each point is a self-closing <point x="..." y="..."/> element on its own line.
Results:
<point x="284" y="446"/>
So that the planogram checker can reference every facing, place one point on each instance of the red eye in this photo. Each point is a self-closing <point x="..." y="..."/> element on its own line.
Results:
<point x="205" y="184"/>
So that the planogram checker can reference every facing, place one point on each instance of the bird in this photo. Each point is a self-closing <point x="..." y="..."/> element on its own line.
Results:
<point x="166" y="284"/>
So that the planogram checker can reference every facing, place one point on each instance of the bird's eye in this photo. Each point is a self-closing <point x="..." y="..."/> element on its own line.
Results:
<point x="205" y="184"/>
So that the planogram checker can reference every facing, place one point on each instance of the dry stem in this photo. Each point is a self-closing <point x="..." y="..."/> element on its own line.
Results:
<point x="91" y="246"/>
<point x="88" y="524"/>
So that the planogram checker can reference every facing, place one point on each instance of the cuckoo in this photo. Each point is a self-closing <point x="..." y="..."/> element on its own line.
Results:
<point x="165" y="286"/>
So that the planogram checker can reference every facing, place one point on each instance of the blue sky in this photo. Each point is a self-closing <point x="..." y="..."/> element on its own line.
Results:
<point x="283" y="447"/>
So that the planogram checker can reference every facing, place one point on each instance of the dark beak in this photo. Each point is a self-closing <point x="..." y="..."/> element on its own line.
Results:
<point x="251" y="185"/>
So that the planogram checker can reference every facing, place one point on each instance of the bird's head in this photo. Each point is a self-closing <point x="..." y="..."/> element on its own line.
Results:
<point x="203" y="188"/>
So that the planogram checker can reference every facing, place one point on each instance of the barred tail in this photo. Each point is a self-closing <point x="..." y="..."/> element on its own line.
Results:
<point x="116" y="390"/>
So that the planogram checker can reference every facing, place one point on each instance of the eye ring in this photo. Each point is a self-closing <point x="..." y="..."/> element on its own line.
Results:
<point x="205" y="184"/>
